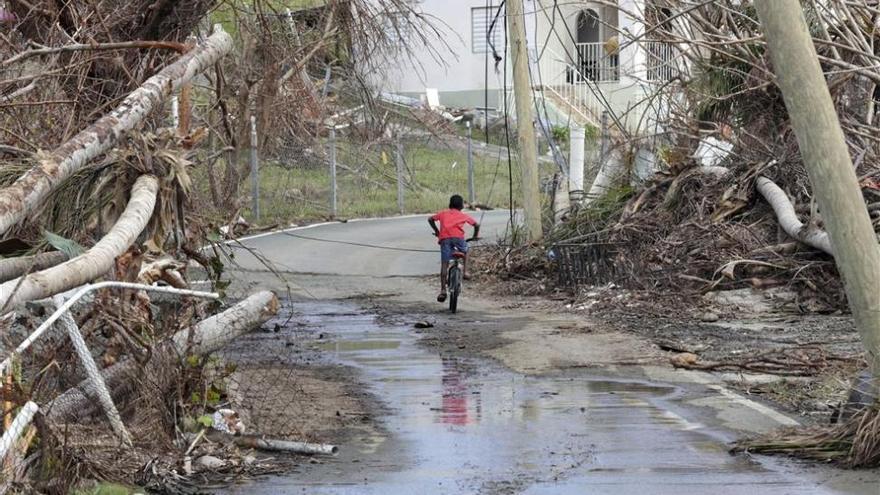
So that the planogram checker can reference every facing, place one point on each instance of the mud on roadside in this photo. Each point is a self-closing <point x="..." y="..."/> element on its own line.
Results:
<point x="805" y="361"/>
<point x="285" y="386"/>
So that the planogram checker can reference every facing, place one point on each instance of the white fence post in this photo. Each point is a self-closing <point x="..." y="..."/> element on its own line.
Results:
<point x="576" y="164"/>
<point x="96" y="383"/>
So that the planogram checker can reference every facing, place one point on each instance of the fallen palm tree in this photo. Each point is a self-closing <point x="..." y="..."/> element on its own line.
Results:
<point x="18" y="200"/>
<point x="202" y="338"/>
<point x="788" y="218"/>
<point x="94" y="263"/>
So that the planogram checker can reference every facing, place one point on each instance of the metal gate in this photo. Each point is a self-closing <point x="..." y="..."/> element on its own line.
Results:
<point x="586" y="264"/>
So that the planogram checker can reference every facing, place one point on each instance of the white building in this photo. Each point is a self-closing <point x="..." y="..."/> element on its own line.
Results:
<point x="585" y="57"/>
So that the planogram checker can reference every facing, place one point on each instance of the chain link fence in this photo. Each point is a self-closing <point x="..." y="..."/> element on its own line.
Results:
<point x="415" y="173"/>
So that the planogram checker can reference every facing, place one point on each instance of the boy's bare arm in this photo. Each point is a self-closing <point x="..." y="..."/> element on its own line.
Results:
<point x="476" y="231"/>
<point x="433" y="224"/>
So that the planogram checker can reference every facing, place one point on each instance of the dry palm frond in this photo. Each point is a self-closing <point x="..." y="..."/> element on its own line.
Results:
<point x="95" y="196"/>
<point x="853" y="444"/>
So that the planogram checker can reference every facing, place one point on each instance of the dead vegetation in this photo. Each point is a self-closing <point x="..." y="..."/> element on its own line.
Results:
<point x="125" y="128"/>
<point x="742" y="216"/>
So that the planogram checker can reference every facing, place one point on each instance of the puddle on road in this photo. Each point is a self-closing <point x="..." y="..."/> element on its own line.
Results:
<point x="488" y="430"/>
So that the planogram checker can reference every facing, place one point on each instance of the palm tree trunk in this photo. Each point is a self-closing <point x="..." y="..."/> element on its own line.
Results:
<point x="29" y="191"/>
<point x="95" y="262"/>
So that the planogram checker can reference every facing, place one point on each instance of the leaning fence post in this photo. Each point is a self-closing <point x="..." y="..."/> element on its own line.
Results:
<point x="398" y="158"/>
<point x="255" y="171"/>
<point x="333" y="186"/>
<point x="96" y="382"/>
<point x="24" y="418"/>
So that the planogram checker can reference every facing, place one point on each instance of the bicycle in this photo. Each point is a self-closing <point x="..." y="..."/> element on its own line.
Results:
<point x="454" y="277"/>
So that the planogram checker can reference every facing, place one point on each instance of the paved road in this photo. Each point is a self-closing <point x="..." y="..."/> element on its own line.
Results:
<point x="401" y="246"/>
<point x="472" y="427"/>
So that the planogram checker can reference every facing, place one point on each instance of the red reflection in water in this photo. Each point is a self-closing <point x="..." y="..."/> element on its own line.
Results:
<point x="455" y="397"/>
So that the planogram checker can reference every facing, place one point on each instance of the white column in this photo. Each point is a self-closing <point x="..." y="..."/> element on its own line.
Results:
<point x="633" y="59"/>
<point x="576" y="164"/>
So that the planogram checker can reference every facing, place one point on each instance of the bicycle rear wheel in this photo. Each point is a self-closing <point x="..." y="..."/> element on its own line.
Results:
<point x="454" y="288"/>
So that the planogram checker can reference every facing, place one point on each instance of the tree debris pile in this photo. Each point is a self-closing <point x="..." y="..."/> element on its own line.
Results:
<point x="186" y="411"/>
<point x="711" y="224"/>
<point x="743" y="217"/>
<point x="99" y="181"/>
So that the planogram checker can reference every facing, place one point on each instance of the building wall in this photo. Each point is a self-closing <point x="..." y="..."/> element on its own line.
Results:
<point x="460" y="76"/>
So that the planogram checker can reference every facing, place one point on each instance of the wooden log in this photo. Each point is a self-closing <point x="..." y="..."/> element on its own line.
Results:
<point x="202" y="338"/>
<point x="285" y="446"/>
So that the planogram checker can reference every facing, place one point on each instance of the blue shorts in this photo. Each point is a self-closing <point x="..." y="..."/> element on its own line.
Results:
<point x="448" y="246"/>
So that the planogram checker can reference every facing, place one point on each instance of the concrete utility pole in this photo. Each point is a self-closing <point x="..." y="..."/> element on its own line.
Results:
<point x="472" y="198"/>
<point x="828" y="163"/>
<point x="576" y="163"/>
<point x="522" y="91"/>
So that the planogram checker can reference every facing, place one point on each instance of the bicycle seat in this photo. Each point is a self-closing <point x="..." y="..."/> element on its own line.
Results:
<point x="458" y="254"/>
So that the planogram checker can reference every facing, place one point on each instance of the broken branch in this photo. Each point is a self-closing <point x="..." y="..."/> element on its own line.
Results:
<point x="49" y="50"/>
<point x="788" y="218"/>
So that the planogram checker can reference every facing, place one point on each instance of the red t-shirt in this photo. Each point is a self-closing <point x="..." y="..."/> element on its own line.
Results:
<point x="452" y="223"/>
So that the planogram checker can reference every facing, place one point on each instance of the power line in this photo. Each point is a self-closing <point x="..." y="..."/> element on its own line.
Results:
<point x="359" y="244"/>
<point x="505" y="108"/>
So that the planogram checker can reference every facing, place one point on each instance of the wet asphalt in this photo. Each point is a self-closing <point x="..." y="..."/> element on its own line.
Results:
<point x="466" y="425"/>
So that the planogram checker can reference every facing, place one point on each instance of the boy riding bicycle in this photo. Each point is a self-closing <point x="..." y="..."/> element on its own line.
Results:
<point x="451" y="237"/>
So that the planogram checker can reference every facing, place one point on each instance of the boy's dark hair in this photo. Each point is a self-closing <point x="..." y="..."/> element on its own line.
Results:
<point x="456" y="202"/>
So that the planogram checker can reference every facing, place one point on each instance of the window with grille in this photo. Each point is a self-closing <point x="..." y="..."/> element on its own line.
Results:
<point x="481" y="21"/>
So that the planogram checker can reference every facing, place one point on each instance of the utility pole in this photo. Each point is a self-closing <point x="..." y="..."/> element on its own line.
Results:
<point x="828" y="163"/>
<point x="470" y="171"/>
<point x="522" y="91"/>
<point x="576" y="164"/>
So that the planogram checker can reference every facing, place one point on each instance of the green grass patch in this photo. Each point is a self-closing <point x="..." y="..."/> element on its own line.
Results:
<point x="291" y="192"/>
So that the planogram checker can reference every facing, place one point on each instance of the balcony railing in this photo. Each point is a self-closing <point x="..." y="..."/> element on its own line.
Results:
<point x="595" y="64"/>
<point x="566" y="81"/>
<point x="662" y="59"/>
